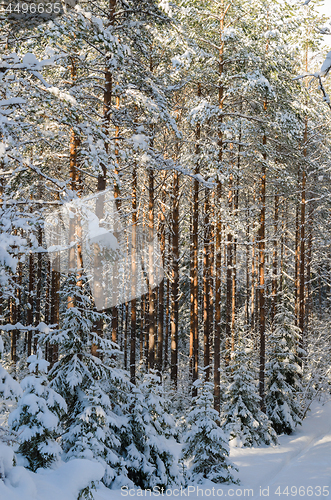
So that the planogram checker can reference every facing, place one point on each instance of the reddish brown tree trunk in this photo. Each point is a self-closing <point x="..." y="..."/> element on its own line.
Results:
<point x="229" y="272"/>
<point x="167" y="315"/>
<point x="218" y="283"/>
<point x="38" y="287"/>
<point x="160" y="340"/>
<point x="30" y="302"/>
<point x="206" y="287"/>
<point x="297" y="264"/>
<point x="134" y="282"/>
<point x="275" y="261"/>
<point x="218" y="249"/>
<point x="302" y="245"/>
<point x="151" y="294"/>
<point x="175" y="281"/>
<point x="262" y="282"/>
<point x="194" y="333"/>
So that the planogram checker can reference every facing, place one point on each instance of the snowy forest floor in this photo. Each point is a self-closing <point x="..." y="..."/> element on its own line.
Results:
<point x="300" y="460"/>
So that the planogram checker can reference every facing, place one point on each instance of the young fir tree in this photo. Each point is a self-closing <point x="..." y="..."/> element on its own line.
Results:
<point x="158" y="404"/>
<point x="37" y="416"/>
<point x="94" y="435"/>
<point x="92" y="387"/>
<point x="241" y="416"/>
<point x="205" y="447"/>
<point x="145" y="441"/>
<point x="283" y="373"/>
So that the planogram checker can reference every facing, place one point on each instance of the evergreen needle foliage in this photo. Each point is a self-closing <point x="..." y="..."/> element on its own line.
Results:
<point x="146" y="441"/>
<point x="284" y="373"/>
<point x="36" y="419"/>
<point x="242" y="419"/>
<point x="205" y="448"/>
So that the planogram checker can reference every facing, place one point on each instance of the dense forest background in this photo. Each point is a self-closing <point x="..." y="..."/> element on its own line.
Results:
<point x="206" y="123"/>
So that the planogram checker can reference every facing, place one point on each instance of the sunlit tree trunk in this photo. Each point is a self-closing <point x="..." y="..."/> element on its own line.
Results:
<point x="262" y="279"/>
<point x="302" y="274"/>
<point x="151" y="293"/>
<point x="218" y="249"/>
<point x="160" y="326"/>
<point x="194" y="331"/>
<point x="206" y="286"/>
<point x="275" y="260"/>
<point x="134" y="250"/>
<point x="175" y="281"/>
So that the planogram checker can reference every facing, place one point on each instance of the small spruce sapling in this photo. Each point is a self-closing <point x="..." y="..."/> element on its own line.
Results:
<point x="161" y="432"/>
<point x="206" y="448"/>
<point x="158" y="405"/>
<point x="94" y="435"/>
<point x="283" y="372"/>
<point x="36" y="418"/>
<point x="133" y="441"/>
<point x="146" y="441"/>
<point x="241" y="416"/>
<point x="93" y="387"/>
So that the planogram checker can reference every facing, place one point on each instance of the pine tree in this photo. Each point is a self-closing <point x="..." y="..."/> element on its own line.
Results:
<point x="205" y="446"/>
<point x="284" y="373"/>
<point x="37" y="416"/>
<point x="146" y="446"/>
<point x="94" y="435"/>
<point x="158" y="404"/>
<point x="241" y="416"/>
<point x="93" y="387"/>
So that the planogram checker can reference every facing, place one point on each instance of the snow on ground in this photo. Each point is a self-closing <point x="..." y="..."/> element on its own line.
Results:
<point x="275" y="472"/>
<point x="302" y="459"/>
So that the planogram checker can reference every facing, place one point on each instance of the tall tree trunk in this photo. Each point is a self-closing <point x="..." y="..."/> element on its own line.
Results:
<point x="309" y="304"/>
<point x="283" y="247"/>
<point x="275" y="261"/>
<point x="55" y="313"/>
<point x="229" y="272"/>
<point x="47" y="302"/>
<point x="302" y="275"/>
<point x="151" y="294"/>
<point x="30" y="301"/>
<point x="194" y="263"/>
<point x="73" y="186"/>
<point x="297" y="259"/>
<point x="194" y="331"/>
<point x="160" y="340"/>
<point x="123" y="332"/>
<point x="112" y="19"/>
<point x="247" y="316"/>
<point x="175" y="281"/>
<point x="142" y="329"/>
<point x="167" y="312"/>
<point x="38" y="286"/>
<point x="134" y="281"/>
<point x="212" y="268"/>
<point x="253" y="274"/>
<point x="54" y="309"/>
<point x="234" y="270"/>
<point x="102" y="180"/>
<point x="218" y="283"/>
<point x="262" y="279"/>
<point x="206" y="287"/>
<point x="13" y="321"/>
<point x="1" y="294"/>
<point x="218" y="249"/>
